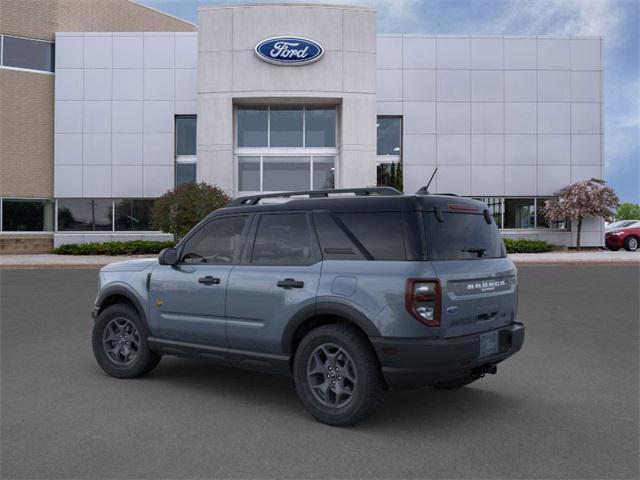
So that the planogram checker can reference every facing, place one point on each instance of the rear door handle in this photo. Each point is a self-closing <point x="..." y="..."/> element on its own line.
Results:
<point x="290" y="283"/>
<point x="209" y="280"/>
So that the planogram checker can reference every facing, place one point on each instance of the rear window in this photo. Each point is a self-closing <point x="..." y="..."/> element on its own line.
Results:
<point x="462" y="236"/>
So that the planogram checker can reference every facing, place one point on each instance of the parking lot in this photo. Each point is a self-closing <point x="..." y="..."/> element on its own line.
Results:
<point x="565" y="406"/>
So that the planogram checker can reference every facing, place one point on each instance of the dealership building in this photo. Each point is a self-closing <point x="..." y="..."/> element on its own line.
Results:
<point x="109" y="104"/>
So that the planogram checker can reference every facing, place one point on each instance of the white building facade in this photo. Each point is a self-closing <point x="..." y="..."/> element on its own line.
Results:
<point x="510" y="120"/>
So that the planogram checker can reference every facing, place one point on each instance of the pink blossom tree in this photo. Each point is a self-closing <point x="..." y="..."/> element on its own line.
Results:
<point x="586" y="198"/>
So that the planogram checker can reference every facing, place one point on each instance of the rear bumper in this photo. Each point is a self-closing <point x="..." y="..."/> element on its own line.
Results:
<point x="415" y="363"/>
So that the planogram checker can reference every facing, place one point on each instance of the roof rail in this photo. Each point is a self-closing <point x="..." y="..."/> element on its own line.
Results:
<point x="359" y="192"/>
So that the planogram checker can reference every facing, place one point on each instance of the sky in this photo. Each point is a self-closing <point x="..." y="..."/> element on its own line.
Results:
<point x="617" y="21"/>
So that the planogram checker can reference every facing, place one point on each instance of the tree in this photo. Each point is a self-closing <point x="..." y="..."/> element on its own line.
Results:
<point x="628" y="211"/>
<point x="179" y="210"/>
<point x="586" y="198"/>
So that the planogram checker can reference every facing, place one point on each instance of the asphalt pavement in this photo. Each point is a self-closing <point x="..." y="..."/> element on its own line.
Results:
<point x="565" y="406"/>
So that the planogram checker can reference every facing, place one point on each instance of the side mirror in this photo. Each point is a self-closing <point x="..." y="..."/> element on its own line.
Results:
<point x="168" y="256"/>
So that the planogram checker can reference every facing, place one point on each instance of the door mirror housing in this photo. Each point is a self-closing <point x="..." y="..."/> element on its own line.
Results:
<point x="168" y="256"/>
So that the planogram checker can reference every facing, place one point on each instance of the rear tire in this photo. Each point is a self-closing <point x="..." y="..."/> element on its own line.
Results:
<point x="337" y="375"/>
<point x="631" y="243"/>
<point x="454" y="384"/>
<point x="120" y="343"/>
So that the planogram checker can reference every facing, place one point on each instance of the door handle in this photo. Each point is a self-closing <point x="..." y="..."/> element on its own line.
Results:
<point x="209" y="280"/>
<point x="290" y="283"/>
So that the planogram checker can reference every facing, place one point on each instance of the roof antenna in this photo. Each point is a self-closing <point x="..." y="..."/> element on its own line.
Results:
<point x="425" y="190"/>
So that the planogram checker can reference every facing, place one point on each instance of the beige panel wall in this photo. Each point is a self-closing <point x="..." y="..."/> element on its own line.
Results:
<point x="26" y="116"/>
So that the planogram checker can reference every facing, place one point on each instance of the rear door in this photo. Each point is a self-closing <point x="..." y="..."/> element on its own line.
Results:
<point x="478" y="281"/>
<point x="278" y="276"/>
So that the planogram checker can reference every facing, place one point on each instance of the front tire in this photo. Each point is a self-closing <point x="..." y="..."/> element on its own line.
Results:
<point x="631" y="244"/>
<point x="337" y="375"/>
<point x="120" y="343"/>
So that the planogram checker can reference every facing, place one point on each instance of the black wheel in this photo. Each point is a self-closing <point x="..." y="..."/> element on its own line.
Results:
<point x="631" y="244"/>
<point x="337" y="375"/>
<point x="120" y="344"/>
<point x="456" y="383"/>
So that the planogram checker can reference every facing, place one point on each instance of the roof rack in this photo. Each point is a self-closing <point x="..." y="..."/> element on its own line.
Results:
<point x="359" y="192"/>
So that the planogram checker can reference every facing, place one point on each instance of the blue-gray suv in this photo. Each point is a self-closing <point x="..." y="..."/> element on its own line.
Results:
<point x="350" y="292"/>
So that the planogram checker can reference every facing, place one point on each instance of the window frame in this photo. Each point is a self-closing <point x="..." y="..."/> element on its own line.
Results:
<point x="205" y="223"/>
<point x="250" y="241"/>
<point x="22" y="69"/>
<point x="54" y="220"/>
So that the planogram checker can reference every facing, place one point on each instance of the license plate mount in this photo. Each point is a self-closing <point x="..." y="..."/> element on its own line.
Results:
<point x="489" y="344"/>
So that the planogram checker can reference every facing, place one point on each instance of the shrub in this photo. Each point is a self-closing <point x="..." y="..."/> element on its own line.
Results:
<point x="133" y="247"/>
<point x="524" y="245"/>
<point x="178" y="211"/>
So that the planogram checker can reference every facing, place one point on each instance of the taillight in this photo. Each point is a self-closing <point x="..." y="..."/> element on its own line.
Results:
<point x="422" y="299"/>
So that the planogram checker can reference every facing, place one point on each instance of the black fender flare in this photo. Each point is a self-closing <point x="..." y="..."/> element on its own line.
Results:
<point x="330" y="309"/>
<point x="123" y="291"/>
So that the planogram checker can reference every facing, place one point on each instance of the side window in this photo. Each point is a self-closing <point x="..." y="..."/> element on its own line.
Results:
<point x="218" y="242"/>
<point x="283" y="239"/>
<point x="380" y="233"/>
<point x="335" y="244"/>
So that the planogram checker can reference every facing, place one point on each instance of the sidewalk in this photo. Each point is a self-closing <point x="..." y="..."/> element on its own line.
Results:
<point x="95" y="261"/>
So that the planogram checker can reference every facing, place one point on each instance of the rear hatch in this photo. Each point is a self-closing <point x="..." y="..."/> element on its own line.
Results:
<point x="478" y="281"/>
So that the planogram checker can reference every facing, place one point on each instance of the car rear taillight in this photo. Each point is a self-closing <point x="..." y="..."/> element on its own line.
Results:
<point x="422" y="299"/>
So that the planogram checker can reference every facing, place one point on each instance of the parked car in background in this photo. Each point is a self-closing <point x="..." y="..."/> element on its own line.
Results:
<point x="620" y="224"/>
<point x="627" y="237"/>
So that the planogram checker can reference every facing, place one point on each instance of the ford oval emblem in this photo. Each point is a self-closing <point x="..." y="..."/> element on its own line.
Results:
<point x="452" y="309"/>
<point x="289" y="51"/>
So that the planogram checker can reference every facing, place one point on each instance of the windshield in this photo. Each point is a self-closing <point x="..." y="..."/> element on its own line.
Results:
<point x="621" y="224"/>
<point x="462" y="236"/>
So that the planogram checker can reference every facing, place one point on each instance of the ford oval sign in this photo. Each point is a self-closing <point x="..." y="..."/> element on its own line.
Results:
<point x="289" y="51"/>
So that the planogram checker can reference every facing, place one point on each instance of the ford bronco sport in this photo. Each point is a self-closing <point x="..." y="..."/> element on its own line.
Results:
<point x="349" y="292"/>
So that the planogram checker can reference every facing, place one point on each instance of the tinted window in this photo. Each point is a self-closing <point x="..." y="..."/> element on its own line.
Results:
<point x="186" y="135"/>
<point x="185" y="173"/>
<point x="286" y="127"/>
<point x="27" y="215"/>
<point x="133" y="215"/>
<point x="253" y="127"/>
<point x="218" y="242"/>
<point x="84" y="215"/>
<point x="334" y="242"/>
<point x="283" y="239"/>
<point x="249" y="174"/>
<point x="320" y="127"/>
<point x="379" y="233"/>
<point x="461" y="236"/>
<point x="285" y="173"/>
<point x="519" y="213"/>
<point x="25" y="53"/>
<point x="389" y="133"/>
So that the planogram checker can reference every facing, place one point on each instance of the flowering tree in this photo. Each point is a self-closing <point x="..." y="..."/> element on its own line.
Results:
<point x="586" y="198"/>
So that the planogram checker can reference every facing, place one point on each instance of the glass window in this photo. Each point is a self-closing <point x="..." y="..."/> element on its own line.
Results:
<point x="285" y="125"/>
<point x="389" y="132"/>
<point x="253" y="124"/>
<point x="324" y="170"/>
<point x="494" y="204"/>
<point x="26" y="53"/>
<point x="519" y="213"/>
<point x="218" y="242"/>
<point x="249" y="174"/>
<point x="320" y="127"/>
<point x="26" y="215"/>
<point x="389" y="174"/>
<point x="461" y="236"/>
<point x="133" y="215"/>
<point x="84" y="215"/>
<point x="334" y="242"/>
<point x="185" y="173"/>
<point x="285" y="173"/>
<point x="379" y="233"/>
<point x="541" y="221"/>
<point x="186" y="135"/>
<point x="283" y="239"/>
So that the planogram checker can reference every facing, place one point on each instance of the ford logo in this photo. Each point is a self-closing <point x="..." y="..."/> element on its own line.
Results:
<point x="289" y="51"/>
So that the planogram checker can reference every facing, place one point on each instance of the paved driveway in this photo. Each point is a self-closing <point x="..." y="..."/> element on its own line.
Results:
<point x="566" y="406"/>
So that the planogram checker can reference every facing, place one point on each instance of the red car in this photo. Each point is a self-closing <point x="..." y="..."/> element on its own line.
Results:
<point x="627" y="237"/>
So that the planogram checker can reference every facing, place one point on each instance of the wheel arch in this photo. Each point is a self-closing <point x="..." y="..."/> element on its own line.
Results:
<point x="117" y="294"/>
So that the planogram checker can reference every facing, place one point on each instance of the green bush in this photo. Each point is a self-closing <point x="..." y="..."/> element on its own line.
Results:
<point x="133" y="247"/>
<point x="524" y="245"/>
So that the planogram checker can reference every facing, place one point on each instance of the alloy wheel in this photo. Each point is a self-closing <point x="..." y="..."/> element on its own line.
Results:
<point x="121" y="341"/>
<point x="331" y="375"/>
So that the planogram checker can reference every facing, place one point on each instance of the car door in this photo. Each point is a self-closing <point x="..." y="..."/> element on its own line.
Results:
<point x="187" y="300"/>
<point x="277" y="277"/>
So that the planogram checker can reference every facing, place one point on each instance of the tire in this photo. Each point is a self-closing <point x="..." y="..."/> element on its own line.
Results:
<point x="360" y="380"/>
<point x="631" y="243"/>
<point x="614" y="249"/>
<point x="454" y="384"/>
<point x="130" y="356"/>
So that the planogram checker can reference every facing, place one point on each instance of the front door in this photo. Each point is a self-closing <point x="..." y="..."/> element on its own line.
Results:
<point x="187" y="300"/>
<point x="278" y="276"/>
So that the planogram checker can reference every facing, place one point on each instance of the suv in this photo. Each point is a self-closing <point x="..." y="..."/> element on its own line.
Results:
<point x="349" y="292"/>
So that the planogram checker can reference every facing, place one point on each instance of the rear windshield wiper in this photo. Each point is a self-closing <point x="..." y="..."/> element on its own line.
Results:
<point x="479" y="251"/>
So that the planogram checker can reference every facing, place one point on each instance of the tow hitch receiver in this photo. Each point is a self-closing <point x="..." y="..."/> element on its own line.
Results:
<point x="483" y="370"/>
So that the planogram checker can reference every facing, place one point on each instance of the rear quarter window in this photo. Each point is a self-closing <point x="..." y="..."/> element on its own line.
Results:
<point x="462" y="236"/>
<point x="381" y="234"/>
